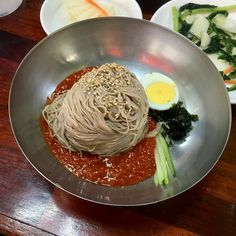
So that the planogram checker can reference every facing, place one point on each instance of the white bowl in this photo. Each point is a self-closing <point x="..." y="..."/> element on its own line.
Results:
<point x="53" y="14"/>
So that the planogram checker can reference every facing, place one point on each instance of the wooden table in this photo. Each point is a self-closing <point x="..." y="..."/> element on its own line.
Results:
<point x="30" y="205"/>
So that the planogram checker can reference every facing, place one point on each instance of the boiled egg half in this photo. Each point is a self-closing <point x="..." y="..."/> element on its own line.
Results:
<point x="161" y="91"/>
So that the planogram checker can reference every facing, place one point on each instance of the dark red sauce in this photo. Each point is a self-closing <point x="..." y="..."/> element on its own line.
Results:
<point x="127" y="168"/>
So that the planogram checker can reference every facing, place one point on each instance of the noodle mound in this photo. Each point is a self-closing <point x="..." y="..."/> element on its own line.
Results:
<point x="105" y="112"/>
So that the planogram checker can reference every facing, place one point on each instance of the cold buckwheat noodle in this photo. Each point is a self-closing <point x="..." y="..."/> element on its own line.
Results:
<point x="105" y="112"/>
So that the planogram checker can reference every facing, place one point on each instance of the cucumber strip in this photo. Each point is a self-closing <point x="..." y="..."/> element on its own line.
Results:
<point x="175" y="17"/>
<point x="167" y="154"/>
<point x="162" y="161"/>
<point x="156" y="182"/>
<point x="159" y="171"/>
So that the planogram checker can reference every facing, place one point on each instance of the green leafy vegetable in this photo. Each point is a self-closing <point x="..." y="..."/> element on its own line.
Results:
<point x="227" y="57"/>
<point x="232" y="75"/>
<point x="212" y="15"/>
<point x="192" y="6"/>
<point x="232" y="88"/>
<point x="184" y="30"/>
<point x="214" y="46"/>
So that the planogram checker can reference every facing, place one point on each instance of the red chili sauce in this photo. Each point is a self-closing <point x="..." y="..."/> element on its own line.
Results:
<point x="128" y="168"/>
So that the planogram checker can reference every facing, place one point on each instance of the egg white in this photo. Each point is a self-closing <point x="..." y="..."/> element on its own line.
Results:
<point x="153" y="77"/>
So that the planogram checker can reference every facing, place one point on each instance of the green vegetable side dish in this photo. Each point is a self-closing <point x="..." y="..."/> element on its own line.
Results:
<point x="210" y="28"/>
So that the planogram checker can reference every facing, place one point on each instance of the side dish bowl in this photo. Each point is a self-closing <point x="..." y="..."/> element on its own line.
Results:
<point x="163" y="16"/>
<point x="142" y="47"/>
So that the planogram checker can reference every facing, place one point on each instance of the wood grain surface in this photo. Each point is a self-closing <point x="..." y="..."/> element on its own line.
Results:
<point x="30" y="205"/>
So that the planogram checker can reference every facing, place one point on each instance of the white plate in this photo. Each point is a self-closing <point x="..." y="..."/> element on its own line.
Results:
<point x="53" y="14"/>
<point x="163" y="17"/>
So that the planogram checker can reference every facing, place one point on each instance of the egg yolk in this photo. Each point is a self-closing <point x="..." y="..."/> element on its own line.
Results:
<point x="161" y="92"/>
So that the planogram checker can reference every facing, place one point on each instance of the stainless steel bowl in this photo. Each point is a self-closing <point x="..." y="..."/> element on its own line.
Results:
<point x="143" y="47"/>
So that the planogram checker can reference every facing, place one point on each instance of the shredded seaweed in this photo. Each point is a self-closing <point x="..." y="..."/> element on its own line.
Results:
<point x="177" y="121"/>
